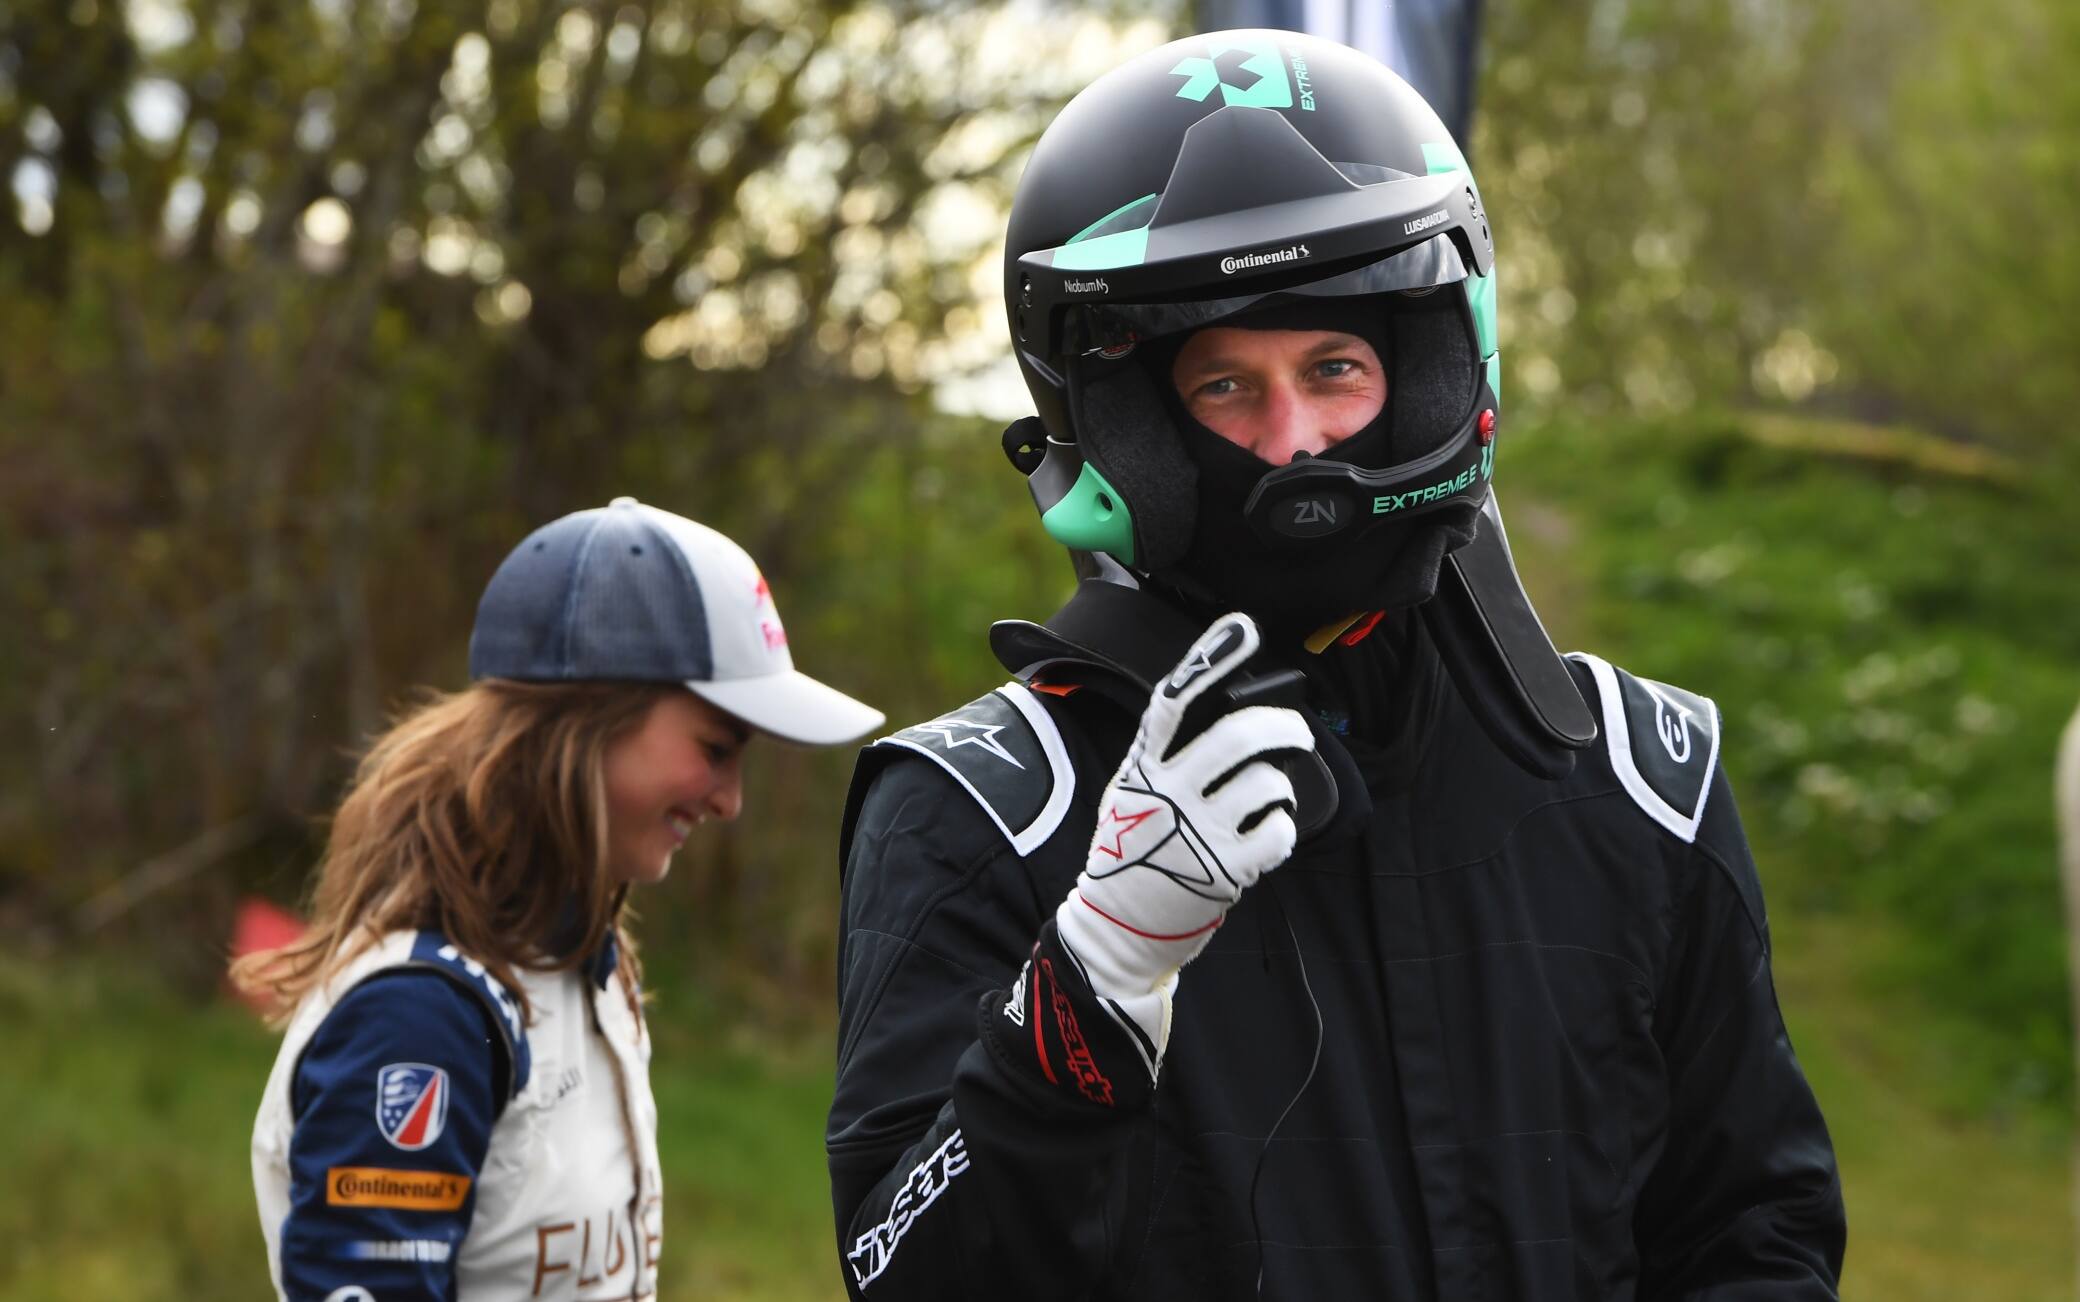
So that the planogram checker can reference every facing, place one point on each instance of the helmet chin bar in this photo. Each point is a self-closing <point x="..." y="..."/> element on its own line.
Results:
<point x="1316" y="498"/>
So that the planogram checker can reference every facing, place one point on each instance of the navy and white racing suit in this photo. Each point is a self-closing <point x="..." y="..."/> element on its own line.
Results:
<point x="417" y="1141"/>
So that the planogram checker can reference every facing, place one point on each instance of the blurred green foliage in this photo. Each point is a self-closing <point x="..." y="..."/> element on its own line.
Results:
<point x="310" y="313"/>
<point x="1894" y="650"/>
<point x="1862" y="207"/>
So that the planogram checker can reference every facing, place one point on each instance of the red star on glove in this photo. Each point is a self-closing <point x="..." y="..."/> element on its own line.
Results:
<point x="1127" y="823"/>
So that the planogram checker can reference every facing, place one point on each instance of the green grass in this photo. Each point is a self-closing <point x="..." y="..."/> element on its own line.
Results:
<point x="747" y="1200"/>
<point x="1940" y="1209"/>
<point x="129" y="1113"/>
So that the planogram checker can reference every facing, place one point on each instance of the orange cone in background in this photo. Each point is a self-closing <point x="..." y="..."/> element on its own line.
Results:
<point x="261" y="925"/>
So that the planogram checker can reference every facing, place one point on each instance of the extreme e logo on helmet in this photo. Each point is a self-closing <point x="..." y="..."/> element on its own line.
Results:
<point x="1306" y="87"/>
<point x="1267" y="87"/>
<point x="1389" y="503"/>
<point x="1290" y="253"/>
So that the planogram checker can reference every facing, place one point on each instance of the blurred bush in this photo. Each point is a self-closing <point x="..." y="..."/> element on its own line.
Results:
<point x="308" y="313"/>
<point x="1862" y="207"/>
<point x="1894" y="649"/>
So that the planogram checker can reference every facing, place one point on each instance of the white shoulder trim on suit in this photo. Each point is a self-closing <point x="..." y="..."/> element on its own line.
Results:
<point x="949" y="750"/>
<point x="1673" y="710"/>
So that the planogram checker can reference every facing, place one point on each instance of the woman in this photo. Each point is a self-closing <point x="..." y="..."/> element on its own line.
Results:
<point x="461" y="1105"/>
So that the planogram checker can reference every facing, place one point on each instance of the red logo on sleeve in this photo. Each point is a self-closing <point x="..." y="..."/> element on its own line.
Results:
<point x="411" y="1104"/>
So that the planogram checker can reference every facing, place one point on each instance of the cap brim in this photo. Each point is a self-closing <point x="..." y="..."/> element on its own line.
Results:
<point x="793" y="707"/>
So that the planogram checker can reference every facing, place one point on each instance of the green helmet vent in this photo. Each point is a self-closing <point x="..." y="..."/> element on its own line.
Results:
<point x="1128" y="216"/>
<point x="1092" y="517"/>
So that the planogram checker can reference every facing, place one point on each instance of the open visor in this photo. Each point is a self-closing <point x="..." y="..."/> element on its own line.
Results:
<point x="1441" y="398"/>
<point x="1110" y="328"/>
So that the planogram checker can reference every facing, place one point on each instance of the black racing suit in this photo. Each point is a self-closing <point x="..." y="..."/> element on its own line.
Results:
<point x="1551" y="1063"/>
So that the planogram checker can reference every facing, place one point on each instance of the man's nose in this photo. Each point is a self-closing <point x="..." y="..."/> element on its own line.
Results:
<point x="1290" y="425"/>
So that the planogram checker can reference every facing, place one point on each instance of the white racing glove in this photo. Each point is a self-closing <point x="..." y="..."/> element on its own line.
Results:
<point x="1171" y="852"/>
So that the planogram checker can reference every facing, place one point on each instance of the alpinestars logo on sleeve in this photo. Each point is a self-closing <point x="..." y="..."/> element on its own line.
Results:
<point x="960" y="732"/>
<point x="1015" y="1006"/>
<point x="508" y="1007"/>
<point x="872" y="1251"/>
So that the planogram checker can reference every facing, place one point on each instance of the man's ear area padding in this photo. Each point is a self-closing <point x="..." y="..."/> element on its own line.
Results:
<point x="1433" y="372"/>
<point x="1126" y="431"/>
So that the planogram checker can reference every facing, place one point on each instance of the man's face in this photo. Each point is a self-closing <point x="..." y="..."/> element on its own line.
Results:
<point x="1278" y="392"/>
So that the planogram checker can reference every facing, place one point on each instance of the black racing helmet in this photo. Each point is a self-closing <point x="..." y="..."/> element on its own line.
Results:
<point x="1224" y="174"/>
<point x="1234" y="176"/>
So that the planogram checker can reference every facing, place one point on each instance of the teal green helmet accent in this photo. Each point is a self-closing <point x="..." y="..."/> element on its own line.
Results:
<point x="1444" y="156"/>
<point x="1122" y="249"/>
<point x="1480" y="294"/>
<point x="1118" y="239"/>
<point x="1092" y="517"/>
<point x="1128" y="216"/>
<point x="1269" y="88"/>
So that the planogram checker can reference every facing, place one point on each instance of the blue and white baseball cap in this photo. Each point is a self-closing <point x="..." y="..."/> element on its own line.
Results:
<point x="628" y="592"/>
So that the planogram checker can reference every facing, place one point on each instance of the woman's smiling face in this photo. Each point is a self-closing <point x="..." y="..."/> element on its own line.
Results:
<point x="679" y="767"/>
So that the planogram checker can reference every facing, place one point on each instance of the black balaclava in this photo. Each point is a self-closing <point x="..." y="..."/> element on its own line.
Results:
<point x="1293" y="590"/>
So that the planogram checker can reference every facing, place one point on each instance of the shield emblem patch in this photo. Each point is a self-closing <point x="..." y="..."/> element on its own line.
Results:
<point x="411" y="1104"/>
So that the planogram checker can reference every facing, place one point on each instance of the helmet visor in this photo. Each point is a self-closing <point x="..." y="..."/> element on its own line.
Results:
<point x="1109" y="328"/>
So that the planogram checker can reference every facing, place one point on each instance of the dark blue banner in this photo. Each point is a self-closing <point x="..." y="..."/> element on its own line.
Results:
<point x="1430" y="42"/>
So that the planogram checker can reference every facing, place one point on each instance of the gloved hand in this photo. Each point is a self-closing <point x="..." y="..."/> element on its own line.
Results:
<point x="1171" y="852"/>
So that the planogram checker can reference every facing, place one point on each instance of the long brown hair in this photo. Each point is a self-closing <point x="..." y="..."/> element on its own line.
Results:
<point x="480" y="814"/>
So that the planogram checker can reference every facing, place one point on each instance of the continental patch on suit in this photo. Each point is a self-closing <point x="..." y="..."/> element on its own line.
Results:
<point x="409" y="1191"/>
